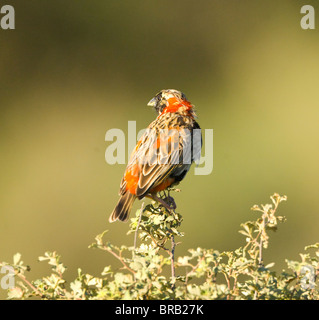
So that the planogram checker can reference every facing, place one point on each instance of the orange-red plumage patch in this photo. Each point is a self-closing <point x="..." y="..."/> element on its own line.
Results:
<point x="138" y="145"/>
<point x="162" y="143"/>
<point x="165" y="184"/>
<point x="131" y="177"/>
<point x="174" y="104"/>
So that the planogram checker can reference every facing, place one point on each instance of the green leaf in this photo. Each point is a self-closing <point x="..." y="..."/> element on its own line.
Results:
<point x="16" y="258"/>
<point x="15" y="293"/>
<point x="106" y="270"/>
<point x="270" y="265"/>
<point x="76" y="287"/>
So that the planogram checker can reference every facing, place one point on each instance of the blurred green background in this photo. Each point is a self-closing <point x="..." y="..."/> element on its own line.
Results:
<point x="74" y="69"/>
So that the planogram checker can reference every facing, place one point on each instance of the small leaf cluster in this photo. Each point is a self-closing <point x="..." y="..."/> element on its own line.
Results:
<point x="156" y="224"/>
<point x="149" y="269"/>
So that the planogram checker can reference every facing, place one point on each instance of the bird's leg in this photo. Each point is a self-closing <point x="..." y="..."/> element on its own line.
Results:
<point x="162" y="195"/>
<point x="170" y="200"/>
<point x="159" y="200"/>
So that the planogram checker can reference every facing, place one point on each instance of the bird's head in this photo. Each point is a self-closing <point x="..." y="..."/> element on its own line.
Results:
<point x="166" y="98"/>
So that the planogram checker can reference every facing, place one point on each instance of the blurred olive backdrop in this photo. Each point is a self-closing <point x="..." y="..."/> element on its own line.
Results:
<point x="74" y="69"/>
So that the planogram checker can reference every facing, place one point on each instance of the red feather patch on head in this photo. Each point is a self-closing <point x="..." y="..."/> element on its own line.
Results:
<point x="175" y="104"/>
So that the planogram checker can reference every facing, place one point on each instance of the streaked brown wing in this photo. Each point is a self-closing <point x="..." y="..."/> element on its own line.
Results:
<point x="156" y="157"/>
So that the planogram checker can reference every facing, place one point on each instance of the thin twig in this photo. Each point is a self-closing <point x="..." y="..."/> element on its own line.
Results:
<point x="260" y="244"/>
<point x="192" y="270"/>
<point x="172" y="261"/>
<point x="138" y="225"/>
<point x="119" y="257"/>
<point x="160" y="245"/>
<point x="24" y="279"/>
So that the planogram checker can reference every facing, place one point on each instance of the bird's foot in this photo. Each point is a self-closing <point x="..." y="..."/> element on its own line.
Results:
<point x="168" y="202"/>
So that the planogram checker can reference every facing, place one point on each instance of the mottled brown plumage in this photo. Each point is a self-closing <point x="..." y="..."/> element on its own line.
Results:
<point x="164" y="153"/>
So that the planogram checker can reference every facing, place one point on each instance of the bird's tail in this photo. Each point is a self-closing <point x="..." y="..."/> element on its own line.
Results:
<point x="122" y="210"/>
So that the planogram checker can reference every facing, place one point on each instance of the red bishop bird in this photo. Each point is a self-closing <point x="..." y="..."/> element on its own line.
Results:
<point x="164" y="153"/>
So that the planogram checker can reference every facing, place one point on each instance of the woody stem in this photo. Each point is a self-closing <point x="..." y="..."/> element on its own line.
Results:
<point x="172" y="254"/>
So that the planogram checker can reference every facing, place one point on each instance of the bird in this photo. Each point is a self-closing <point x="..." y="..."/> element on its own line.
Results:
<point x="163" y="155"/>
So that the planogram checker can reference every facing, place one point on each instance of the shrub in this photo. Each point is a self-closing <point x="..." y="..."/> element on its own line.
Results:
<point x="152" y="271"/>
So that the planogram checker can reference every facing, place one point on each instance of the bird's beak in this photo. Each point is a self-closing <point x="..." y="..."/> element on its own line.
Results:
<point x="152" y="103"/>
